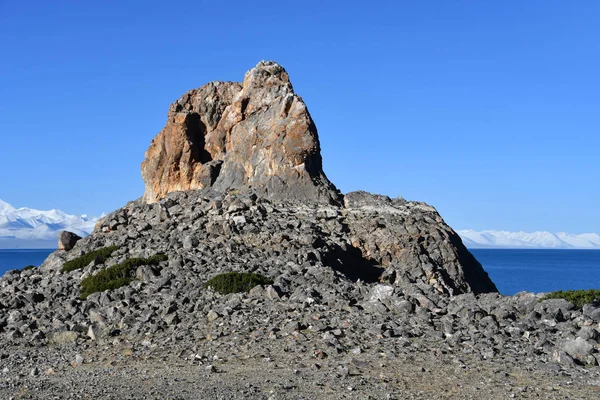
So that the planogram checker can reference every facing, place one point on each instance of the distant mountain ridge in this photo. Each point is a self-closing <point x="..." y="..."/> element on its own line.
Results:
<point x="29" y="228"/>
<point x="531" y="240"/>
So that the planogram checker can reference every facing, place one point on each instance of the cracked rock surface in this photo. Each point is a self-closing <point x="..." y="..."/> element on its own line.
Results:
<point x="226" y="135"/>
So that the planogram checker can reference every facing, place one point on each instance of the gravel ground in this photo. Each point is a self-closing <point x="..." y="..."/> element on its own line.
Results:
<point x="386" y="371"/>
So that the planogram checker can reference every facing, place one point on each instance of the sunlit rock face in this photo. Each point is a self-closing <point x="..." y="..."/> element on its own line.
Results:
<point x="257" y="135"/>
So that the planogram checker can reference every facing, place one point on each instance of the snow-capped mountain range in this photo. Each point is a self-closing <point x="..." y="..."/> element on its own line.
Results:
<point x="29" y="228"/>
<point x="534" y="240"/>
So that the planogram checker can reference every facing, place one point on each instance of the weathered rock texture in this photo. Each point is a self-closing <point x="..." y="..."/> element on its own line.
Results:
<point x="228" y="135"/>
<point x="413" y="243"/>
<point x="259" y="137"/>
<point x="67" y="240"/>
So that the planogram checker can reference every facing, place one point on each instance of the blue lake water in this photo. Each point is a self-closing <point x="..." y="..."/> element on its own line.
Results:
<point x="547" y="270"/>
<point x="511" y="270"/>
<point x="19" y="258"/>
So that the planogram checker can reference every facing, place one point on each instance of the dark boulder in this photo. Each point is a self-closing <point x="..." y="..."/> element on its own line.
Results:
<point x="67" y="240"/>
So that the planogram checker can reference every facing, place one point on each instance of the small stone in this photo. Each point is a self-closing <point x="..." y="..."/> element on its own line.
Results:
<point x="15" y="335"/>
<point x="39" y="335"/>
<point x="78" y="361"/>
<point x="91" y="333"/>
<point x="588" y="333"/>
<point x="211" y="368"/>
<point x="578" y="348"/>
<point x="342" y="371"/>
<point x="562" y="358"/>
<point x="144" y="273"/>
<point x="63" y="337"/>
<point x="188" y="243"/>
<point x="590" y="360"/>
<point x="320" y="354"/>
<point x="272" y="293"/>
<point x="381" y="292"/>
<point x="212" y="315"/>
<point x="95" y="316"/>
<point x="592" y="311"/>
<point x="239" y="220"/>
<point x="256" y="292"/>
<point x="34" y="372"/>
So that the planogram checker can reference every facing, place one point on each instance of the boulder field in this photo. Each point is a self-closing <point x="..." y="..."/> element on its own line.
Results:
<point x="367" y="296"/>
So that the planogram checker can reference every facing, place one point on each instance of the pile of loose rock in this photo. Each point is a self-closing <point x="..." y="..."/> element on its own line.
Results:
<point x="325" y="301"/>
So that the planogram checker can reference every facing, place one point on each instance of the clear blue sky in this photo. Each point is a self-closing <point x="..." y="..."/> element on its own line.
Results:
<point x="490" y="111"/>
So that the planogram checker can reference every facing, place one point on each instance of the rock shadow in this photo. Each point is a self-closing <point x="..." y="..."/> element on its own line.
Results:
<point x="196" y="132"/>
<point x="475" y="275"/>
<point x="350" y="262"/>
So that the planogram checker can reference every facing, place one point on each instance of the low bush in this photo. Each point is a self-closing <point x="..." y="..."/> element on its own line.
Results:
<point x="156" y="259"/>
<point x="577" y="297"/>
<point x="28" y="268"/>
<point x="236" y="282"/>
<point x="100" y="255"/>
<point x="116" y="276"/>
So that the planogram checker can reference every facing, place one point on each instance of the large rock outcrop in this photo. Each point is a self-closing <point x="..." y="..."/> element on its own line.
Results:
<point x="256" y="135"/>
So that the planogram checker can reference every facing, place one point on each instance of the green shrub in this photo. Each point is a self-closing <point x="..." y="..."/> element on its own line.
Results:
<point x="577" y="297"/>
<point x="116" y="276"/>
<point x="28" y="268"/>
<point x="157" y="258"/>
<point x="100" y="255"/>
<point x="236" y="282"/>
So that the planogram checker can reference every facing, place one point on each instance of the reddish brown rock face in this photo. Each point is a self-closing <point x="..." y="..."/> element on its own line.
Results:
<point x="253" y="136"/>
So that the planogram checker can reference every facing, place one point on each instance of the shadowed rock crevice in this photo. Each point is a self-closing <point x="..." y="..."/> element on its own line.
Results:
<point x="195" y="132"/>
<point x="243" y="109"/>
<point x="477" y="277"/>
<point x="350" y="262"/>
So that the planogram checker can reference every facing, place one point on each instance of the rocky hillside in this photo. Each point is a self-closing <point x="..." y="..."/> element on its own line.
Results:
<point x="360" y="294"/>
<point x="257" y="138"/>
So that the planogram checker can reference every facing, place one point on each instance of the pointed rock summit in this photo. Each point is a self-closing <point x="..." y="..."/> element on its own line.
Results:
<point x="257" y="135"/>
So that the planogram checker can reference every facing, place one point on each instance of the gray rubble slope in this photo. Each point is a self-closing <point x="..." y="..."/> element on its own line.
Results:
<point x="307" y="252"/>
<point x="327" y="314"/>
